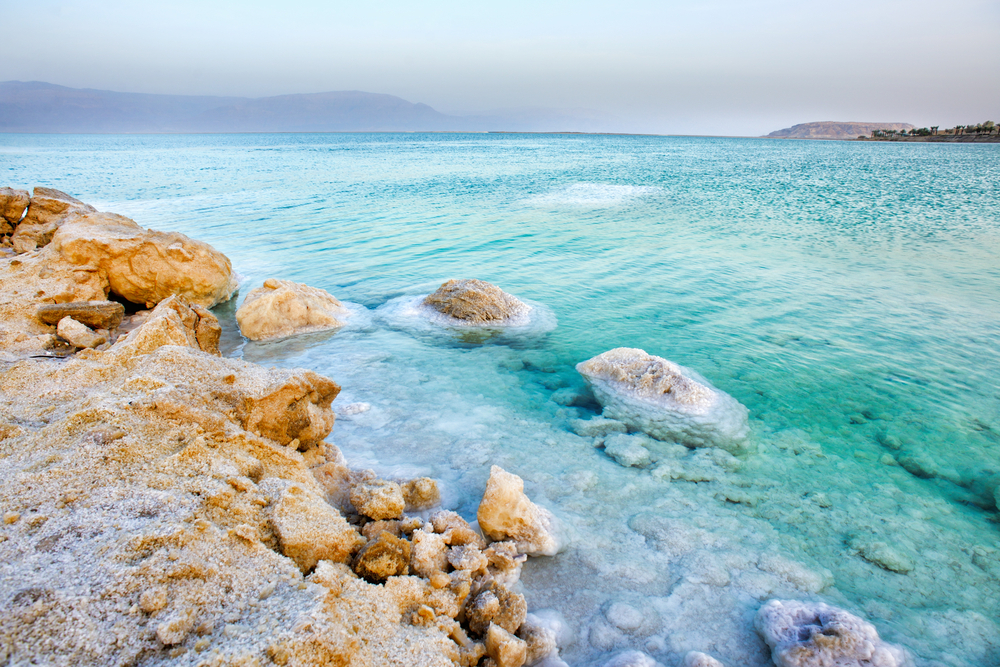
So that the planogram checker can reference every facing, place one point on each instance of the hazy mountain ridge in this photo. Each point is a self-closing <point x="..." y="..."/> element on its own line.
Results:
<point x="835" y="130"/>
<point x="48" y="108"/>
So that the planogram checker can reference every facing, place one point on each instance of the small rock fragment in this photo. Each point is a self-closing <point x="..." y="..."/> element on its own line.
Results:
<point x="388" y="556"/>
<point x="377" y="498"/>
<point x="628" y="450"/>
<point x="421" y="493"/>
<point x="78" y="334"/>
<point x="430" y="553"/>
<point x="506" y="513"/>
<point x="498" y="605"/>
<point x="882" y="554"/>
<point x="505" y="649"/>
<point x="539" y="638"/>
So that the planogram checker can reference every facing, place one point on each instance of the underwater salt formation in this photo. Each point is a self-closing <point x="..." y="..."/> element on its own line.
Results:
<point x="665" y="400"/>
<point x="813" y="634"/>
<point x="476" y="302"/>
<point x="284" y="308"/>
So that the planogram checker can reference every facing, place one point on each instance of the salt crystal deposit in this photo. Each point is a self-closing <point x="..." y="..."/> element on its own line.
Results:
<point x="284" y="308"/>
<point x="665" y="400"/>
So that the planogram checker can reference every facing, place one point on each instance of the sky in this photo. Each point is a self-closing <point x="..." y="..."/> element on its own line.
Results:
<point x="721" y="67"/>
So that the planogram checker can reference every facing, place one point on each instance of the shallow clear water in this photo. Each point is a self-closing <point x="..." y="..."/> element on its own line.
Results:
<point x="848" y="294"/>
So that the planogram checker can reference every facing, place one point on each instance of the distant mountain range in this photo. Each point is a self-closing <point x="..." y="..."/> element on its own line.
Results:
<point x="47" y="108"/>
<point x="835" y="130"/>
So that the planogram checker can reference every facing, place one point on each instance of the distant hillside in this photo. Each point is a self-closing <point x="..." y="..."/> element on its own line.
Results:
<point x="836" y="130"/>
<point x="47" y="108"/>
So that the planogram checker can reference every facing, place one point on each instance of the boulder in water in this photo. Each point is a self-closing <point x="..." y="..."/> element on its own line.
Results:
<point x="506" y="513"/>
<point x="284" y="308"/>
<point x="664" y="400"/>
<point x="476" y="302"/>
<point x="813" y="634"/>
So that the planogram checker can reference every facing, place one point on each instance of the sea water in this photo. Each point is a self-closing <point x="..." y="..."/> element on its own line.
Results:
<point x="846" y="293"/>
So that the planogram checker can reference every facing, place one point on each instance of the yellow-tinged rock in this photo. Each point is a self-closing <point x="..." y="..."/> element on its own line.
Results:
<point x="78" y="334"/>
<point x="505" y="649"/>
<point x="476" y="302"/>
<point x="308" y="529"/>
<point x="145" y="266"/>
<point x="506" y="513"/>
<point x="284" y="308"/>
<point x="376" y="498"/>
<point x="387" y="556"/>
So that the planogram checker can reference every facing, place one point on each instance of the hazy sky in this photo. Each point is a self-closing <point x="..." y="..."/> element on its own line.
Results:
<point x="714" y="67"/>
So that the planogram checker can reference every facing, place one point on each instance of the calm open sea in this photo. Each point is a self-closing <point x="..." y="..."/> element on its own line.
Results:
<point x="848" y="294"/>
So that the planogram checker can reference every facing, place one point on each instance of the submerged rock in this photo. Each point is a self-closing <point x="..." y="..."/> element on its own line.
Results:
<point x="506" y="513"/>
<point x="665" y="400"/>
<point x="813" y="634"/>
<point x="284" y="308"/>
<point x="476" y="302"/>
<point x="699" y="659"/>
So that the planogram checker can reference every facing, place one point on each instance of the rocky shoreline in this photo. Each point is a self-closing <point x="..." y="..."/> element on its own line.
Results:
<point x="163" y="504"/>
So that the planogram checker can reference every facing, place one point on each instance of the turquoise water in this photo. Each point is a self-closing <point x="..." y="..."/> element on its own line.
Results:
<point x="848" y="294"/>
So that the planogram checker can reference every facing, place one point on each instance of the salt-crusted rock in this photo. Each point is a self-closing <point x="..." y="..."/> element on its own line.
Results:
<point x="882" y="554"/>
<point x="504" y="562"/>
<point x="467" y="557"/>
<point x="665" y="400"/>
<point x="597" y="427"/>
<point x="308" y="529"/>
<point x="430" y="553"/>
<point x="295" y="411"/>
<point x="376" y="498"/>
<point x="813" y="634"/>
<point x="455" y="530"/>
<point x="420" y="494"/>
<point x="632" y="659"/>
<point x="144" y="266"/>
<point x="78" y="334"/>
<point x="505" y="649"/>
<point x="373" y="529"/>
<point x="539" y="637"/>
<point x="628" y="450"/>
<point x="13" y="204"/>
<point x="475" y="302"/>
<point x="387" y="556"/>
<point x="505" y="513"/>
<point x="48" y="210"/>
<point x="173" y="322"/>
<point x="699" y="659"/>
<point x="496" y="605"/>
<point x="284" y="308"/>
<point x="95" y="314"/>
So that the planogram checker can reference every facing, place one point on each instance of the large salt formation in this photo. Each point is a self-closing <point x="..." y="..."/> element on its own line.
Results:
<point x="477" y="302"/>
<point x="283" y="308"/>
<point x="162" y="504"/>
<point x="665" y="400"/>
<point x="813" y="634"/>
